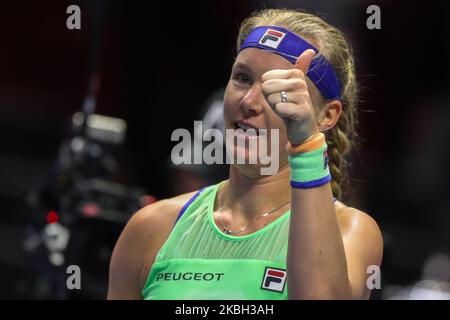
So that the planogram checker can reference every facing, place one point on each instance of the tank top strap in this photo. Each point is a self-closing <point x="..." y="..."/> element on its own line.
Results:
<point x="187" y="204"/>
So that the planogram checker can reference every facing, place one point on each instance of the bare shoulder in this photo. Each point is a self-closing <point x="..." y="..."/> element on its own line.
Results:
<point x="363" y="243"/>
<point x="161" y="214"/>
<point x="139" y="243"/>
<point x="150" y="226"/>
<point x="361" y="234"/>
<point x="153" y="223"/>
<point x="352" y="220"/>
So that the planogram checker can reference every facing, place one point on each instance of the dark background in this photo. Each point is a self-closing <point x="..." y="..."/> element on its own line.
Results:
<point x="159" y="61"/>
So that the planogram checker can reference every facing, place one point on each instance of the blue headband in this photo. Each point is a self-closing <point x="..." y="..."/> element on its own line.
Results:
<point x="290" y="46"/>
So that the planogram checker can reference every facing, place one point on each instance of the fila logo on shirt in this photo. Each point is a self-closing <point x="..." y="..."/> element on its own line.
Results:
<point x="272" y="38"/>
<point x="274" y="279"/>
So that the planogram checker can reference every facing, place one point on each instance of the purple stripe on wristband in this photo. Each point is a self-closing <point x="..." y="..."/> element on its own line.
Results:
<point x="311" y="184"/>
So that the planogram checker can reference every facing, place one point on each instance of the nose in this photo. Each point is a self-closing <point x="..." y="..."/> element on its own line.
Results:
<point x="252" y="103"/>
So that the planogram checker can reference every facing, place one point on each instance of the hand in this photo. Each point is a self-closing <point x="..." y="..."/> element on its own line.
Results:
<point x="298" y="112"/>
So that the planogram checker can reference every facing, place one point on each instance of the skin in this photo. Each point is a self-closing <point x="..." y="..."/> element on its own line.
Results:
<point x="330" y="244"/>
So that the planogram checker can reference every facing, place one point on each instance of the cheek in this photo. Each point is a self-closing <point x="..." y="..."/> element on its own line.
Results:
<point x="230" y="102"/>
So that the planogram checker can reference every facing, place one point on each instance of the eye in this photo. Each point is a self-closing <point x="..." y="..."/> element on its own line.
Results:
<point x="242" y="78"/>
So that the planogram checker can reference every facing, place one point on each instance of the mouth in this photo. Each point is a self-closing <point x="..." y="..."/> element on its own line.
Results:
<point x="248" y="129"/>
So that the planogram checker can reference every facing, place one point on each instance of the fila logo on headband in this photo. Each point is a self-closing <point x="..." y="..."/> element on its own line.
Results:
<point x="274" y="279"/>
<point x="272" y="38"/>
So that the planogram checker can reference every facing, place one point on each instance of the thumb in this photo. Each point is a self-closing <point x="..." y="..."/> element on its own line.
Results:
<point x="304" y="60"/>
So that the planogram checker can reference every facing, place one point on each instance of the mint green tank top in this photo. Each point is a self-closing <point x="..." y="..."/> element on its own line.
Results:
<point x="200" y="262"/>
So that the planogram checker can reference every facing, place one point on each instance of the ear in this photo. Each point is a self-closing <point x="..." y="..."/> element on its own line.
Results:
<point x="329" y="115"/>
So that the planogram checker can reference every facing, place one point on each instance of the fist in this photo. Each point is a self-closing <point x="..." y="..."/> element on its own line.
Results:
<point x="297" y="111"/>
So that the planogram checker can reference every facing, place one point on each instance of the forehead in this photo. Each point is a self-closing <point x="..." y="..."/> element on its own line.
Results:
<point x="260" y="61"/>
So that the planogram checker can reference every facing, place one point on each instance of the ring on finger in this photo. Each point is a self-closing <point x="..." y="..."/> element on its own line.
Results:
<point x="284" y="97"/>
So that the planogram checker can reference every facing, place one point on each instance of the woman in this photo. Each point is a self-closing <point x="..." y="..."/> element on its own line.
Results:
<point x="254" y="236"/>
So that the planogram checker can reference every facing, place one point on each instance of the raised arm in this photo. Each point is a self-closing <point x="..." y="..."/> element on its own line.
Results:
<point x="328" y="252"/>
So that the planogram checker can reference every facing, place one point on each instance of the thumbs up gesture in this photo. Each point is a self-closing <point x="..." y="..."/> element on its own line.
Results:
<point x="296" y="110"/>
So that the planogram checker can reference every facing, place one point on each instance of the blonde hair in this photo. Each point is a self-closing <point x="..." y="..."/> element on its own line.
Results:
<point x="332" y="45"/>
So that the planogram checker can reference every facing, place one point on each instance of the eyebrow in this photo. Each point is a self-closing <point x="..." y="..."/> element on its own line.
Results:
<point x="241" y="65"/>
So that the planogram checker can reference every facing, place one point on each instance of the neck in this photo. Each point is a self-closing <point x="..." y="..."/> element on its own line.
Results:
<point x="248" y="197"/>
